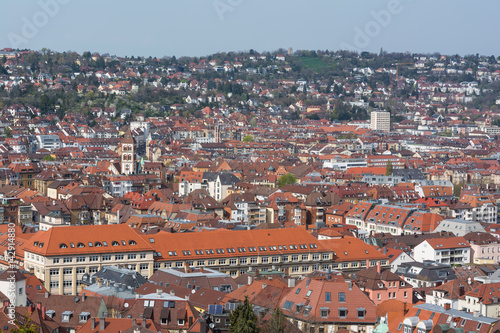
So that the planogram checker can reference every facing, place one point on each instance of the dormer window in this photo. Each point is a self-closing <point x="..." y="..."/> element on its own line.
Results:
<point x="63" y="246"/>
<point x="66" y="316"/>
<point x="50" y="314"/>
<point x="83" y="317"/>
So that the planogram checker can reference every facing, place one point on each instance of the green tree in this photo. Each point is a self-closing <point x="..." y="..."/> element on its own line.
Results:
<point x="48" y="158"/>
<point x="289" y="178"/>
<point x="248" y="138"/>
<point x="457" y="189"/>
<point x="253" y="122"/>
<point x="7" y="132"/>
<point x="277" y="324"/>
<point x="243" y="319"/>
<point x="388" y="168"/>
<point x="26" y="327"/>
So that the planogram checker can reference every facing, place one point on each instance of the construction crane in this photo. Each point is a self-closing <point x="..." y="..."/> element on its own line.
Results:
<point x="397" y="67"/>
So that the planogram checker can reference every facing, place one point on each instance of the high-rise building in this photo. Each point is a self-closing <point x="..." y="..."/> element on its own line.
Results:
<point x="380" y="121"/>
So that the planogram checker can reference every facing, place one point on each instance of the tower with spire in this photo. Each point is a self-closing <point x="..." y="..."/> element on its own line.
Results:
<point x="128" y="154"/>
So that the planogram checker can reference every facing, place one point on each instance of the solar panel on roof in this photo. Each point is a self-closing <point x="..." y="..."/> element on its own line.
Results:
<point x="218" y="309"/>
<point x="211" y="308"/>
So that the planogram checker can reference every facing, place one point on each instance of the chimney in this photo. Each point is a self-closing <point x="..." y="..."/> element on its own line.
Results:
<point x="264" y="286"/>
<point x="172" y="292"/>
<point x="256" y="272"/>
<point x="187" y="269"/>
<point x="291" y="283"/>
<point x="144" y="322"/>
<point x="350" y="285"/>
<point x="187" y="297"/>
<point x="99" y="283"/>
<point x="461" y="290"/>
<point x="385" y="249"/>
<point x="249" y="280"/>
<point x="134" y="322"/>
<point x="102" y="324"/>
<point x="47" y="294"/>
<point x="367" y="263"/>
<point x="92" y="323"/>
<point x="447" y="306"/>
<point x="159" y="292"/>
<point x="379" y="267"/>
<point x="43" y="310"/>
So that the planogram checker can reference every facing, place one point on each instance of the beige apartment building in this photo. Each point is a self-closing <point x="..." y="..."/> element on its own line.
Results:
<point x="61" y="256"/>
<point x="380" y="121"/>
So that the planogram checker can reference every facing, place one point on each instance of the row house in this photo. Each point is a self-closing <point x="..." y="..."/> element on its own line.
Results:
<point x="450" y="251"/>
<point x="328" y="302"/>
<point x="483" y="207"/>
<point x="484" y="246"/>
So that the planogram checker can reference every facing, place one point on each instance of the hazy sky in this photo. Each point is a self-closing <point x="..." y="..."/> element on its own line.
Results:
<point x="201" y="27"/>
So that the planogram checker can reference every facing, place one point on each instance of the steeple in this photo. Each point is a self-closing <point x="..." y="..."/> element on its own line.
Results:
<point x="128" y="154"/>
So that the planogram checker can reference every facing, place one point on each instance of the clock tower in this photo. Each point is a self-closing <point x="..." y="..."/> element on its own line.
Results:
<point x="128" y="154"/>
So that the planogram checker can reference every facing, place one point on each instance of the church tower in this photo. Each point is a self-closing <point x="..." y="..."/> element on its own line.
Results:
<point x="128" y="154"/>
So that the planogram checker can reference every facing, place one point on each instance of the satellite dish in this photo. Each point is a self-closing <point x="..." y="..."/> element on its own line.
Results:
<point x="125" y="305"/>
<point x="211" y="325"/>
<point x="193" y="291"/>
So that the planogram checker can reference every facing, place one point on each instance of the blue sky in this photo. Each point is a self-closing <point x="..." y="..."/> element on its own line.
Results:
<point x="201" y="27"/>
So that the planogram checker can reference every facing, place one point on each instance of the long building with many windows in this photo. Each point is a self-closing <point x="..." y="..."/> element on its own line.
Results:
<point x="62" y="255"/>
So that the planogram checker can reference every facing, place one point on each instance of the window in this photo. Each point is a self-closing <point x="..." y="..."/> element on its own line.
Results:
<point x="119" y="257"/>
<point x="288" y="305"/>
<point x="80" y="270"/>
<point x="54" y="284"/>
<point x="305" y="268"/>
<point x="54" y="271"/>
<point x="143" y="256"/>
<point x="342" y="297"/>
<point x="68" y="271"/>
<point x="143" y="267"/>
<point x="67" y="260"/>
<point x="309" y="292"/>
<point x="93" y="270"/>
<point x="106" y="257"/>
<point x="328" y="297"/>
<point x="361" y="313"/>
<point x="131" y="256"/>
<point x="80" y="259"/>
<point x="342" y="312"/>
<point x="200" y="263"/>
<point x="94" y="258"/>
<point x="265" y="260"/>
<point x="67" y="283"/>
<point x="253" y="260"/>
<point x="243" y="261"/>
<point x="295" y="257"/>
<point x="305" y="257"/>
<point x="232" y="261"/>
<point x="324" y="312"/>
